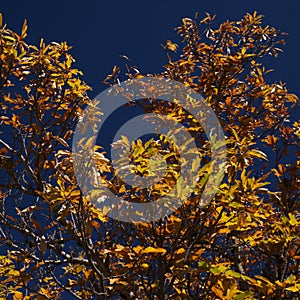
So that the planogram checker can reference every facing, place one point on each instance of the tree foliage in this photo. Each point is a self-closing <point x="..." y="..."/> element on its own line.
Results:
<point x="55" y="243"/>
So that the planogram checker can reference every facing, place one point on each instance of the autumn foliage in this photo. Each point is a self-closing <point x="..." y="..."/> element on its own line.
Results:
<point x="56" y="244"/>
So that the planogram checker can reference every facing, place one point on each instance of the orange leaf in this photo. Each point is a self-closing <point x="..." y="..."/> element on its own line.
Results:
<point x="271" y="140"/>
<point x="137" y="249"/>
<point x="18" y="296"/>
<point x="218" y="292"/>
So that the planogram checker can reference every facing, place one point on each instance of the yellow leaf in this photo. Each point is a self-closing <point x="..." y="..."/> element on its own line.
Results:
<point x="295" y="288"/>
<point x="24" y="29"/>
<point x="117" y="281"/>
<point x="258" y="154"/>
<point x="290" y="279"/>
<point x="105" y="210"/>
<point x="293" y="221"/>
<point x="177" y="290"/>
<point x="279" y="283"/>
<point x="154" y="250"/>
<point x="292" y="98"/>
<point x="113" y="280"/>
<point x="231" y="292"/>
<point x="266" y="280"/>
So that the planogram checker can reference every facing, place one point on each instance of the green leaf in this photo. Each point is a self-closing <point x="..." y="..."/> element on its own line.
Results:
<point x="233" y="274"/>
<point x="179" y="186"/>
<point x="203" y="264"/>
<point x="196" y="163"/>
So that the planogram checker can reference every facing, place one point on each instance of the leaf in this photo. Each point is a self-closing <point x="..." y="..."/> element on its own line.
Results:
<point x="154" y="250"/>
<point x="196" y="163"/>
<point x="231" y="292"/>
<point x="243" y="295"/>
<point x="88" y="274"/>
<point x="18" y="296"/>
<point x="295" y="288"/>
<point x="292" y="98"/>
<point x="271" y="140"/>
<point x="179" y="186"/>
<point x="138" y="249"/>
<point x="290" y="279"/>
<point x="235" y="135"/>
<point x="280" y="170"/>
<point x="235" y="204"/>
<point x="24" y="29"/>
<point x="61" y="141"/>
<point x="257" y="184"/>
<point x="266" y="280"/>
<point x="293" y="221"/>
<point x="180" y="251"/>
<point x="96" y="224"/>
<point x="258" y="154"/>
<point x="171" y="46"/>
<point x="233" y="274"/>
<point x="216" y="269"/>
<point x="218" y="292"/>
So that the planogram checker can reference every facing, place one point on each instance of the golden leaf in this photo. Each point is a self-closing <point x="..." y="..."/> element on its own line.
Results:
<point x="24" y="29"/>
<point x="137" y="249"/>
<point x="171" y="46"/>
<point x="154" y="250"/>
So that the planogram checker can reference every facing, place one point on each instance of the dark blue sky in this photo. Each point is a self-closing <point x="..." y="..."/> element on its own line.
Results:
<point x="100" y="30"/>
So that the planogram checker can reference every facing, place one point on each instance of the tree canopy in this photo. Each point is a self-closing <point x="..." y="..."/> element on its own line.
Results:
<point x="56" y="244"/>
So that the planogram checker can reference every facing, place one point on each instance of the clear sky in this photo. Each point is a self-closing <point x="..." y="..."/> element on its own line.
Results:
<point x="101" y="30"/>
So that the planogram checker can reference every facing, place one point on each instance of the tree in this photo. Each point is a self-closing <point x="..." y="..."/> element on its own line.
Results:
<point x="244" y="244"/>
